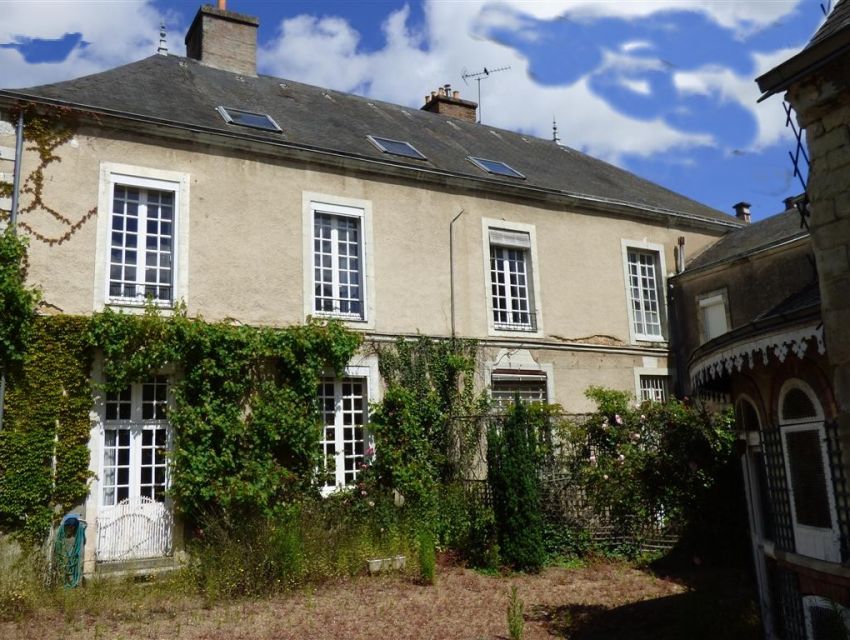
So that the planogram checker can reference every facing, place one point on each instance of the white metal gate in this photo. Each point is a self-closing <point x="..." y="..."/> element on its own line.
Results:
<point x="134" y="529"/>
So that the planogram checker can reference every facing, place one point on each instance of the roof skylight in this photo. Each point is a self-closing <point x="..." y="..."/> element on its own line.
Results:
<point x="396" y="147"/>
<point x="496" y="167"/>
<point x="248" y="119"/>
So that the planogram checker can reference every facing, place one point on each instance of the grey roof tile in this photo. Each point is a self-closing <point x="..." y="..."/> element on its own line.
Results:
<point x="838" y="19"/>
<point x="183" y="91"/>
<point x="749" y="239"/>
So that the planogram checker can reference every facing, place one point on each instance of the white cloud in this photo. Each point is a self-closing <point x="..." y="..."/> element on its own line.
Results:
<point x="727" y="86"/>
<point x="637" y="86"/>
<point x="326" y="52"/>
<point x="743" y="16"/>
<point x="116" y="33"/>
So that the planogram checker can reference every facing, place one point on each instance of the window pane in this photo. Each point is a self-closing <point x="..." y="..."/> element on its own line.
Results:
<point x="808" y="480"/>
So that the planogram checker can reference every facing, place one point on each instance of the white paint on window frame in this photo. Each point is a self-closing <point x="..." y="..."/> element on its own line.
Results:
<point x="536" y="298"/>
<point x="111" y="174"/>
<point x="710" y="299"/>
<point x="364" y="366"/>
<point x="520" y="360"/>
<point x="342" y="206"/>
<point x="815" y="542"/>
<point x="651" y="372"/>
<point x="661" y="275"/>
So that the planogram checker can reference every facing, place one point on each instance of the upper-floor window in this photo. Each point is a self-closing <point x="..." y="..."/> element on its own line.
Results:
<point x="338" y="283"/>
<point x="142" y="236"/>
<point x="713" y="320"/>
<point x="645" y="290"/>
<point x="141" y="248"/>
<point x="510" y="281"/>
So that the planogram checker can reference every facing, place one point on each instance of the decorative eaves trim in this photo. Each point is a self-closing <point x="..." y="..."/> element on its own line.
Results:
<point x="776" y="345"/>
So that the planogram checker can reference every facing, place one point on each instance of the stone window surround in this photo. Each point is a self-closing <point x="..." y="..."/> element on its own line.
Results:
<point x="112" y="173"/>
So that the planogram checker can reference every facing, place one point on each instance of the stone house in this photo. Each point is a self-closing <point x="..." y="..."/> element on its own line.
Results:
<point x="268" y="201"/>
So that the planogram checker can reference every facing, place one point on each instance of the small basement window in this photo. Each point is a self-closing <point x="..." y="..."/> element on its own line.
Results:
<point x="396" y="147"/>
<point x="248" y="119"/>
<point x="496" y="167"/>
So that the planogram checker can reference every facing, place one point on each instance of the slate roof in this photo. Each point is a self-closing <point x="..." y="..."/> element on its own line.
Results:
<point x="832" y="39"/>
<point x="837" y="19"/>
<point x="754" y="237"/>
<point x="806" y="298"/>
<point x="180" y="91"/>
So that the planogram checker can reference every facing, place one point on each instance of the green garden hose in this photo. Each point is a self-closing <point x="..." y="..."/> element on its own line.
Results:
<point x="68" y="550"/>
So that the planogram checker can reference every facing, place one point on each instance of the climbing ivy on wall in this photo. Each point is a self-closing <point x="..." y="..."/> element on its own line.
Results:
<point x="44" y="455"/>
<point x="245" y="418"/>
<point x="427" y="430"/>
<point x="46" y="129"/>
<point x="17" y="301"/>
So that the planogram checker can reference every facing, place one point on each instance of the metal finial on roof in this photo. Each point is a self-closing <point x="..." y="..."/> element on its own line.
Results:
<point x="162" y="49"/>
<point x="555" y="138"/>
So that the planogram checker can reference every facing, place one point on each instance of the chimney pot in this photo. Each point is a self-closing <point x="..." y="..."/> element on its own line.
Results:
<point x="222" y="5"/>
<point x="742" y="211"/>
<point x="448" y="103"/>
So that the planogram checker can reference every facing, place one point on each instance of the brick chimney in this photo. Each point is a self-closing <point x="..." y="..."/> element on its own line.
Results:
<point x="223" y="39"/>
<point x="446" y="102"/>
<point x="742" y="211"/>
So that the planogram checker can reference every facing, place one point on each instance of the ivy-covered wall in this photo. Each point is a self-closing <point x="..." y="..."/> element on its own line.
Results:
<point x="44" y="455"/>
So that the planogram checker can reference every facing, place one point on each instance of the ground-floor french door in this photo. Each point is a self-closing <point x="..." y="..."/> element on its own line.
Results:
<point x="134" y="518"/>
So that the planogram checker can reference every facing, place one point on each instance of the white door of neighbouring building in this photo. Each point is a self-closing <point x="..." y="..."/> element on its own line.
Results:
<point x="134" y="517"/>
<point x="809" y="475"/>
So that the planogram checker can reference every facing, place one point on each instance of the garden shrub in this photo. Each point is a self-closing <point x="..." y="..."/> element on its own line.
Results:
<point x="513" y="460"/>
<point x="658" y="464"/>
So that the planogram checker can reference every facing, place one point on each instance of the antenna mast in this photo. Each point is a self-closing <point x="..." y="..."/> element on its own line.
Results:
<point x="478" y="77"/>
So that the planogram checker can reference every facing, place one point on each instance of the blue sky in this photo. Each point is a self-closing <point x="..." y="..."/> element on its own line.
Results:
<point x="663" y="88"/>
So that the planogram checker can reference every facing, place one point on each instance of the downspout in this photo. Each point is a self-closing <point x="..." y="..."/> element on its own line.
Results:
<point x="13" y="223"/>
<point x="452" y="267"/>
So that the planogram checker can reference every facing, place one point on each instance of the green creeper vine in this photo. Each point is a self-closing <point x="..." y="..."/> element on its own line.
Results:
<point x="44" y="456"/>
<point x="45" y="130"/>
<point x="427" y="430"/>
<point x="17" y="301"/>
<point x="245" y="418"/>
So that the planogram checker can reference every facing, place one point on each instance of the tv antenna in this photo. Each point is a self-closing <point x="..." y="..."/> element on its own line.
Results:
<point x="478" y="77"/>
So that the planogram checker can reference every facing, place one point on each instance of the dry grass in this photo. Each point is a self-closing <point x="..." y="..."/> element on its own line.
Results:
<point x="572" y="603"/>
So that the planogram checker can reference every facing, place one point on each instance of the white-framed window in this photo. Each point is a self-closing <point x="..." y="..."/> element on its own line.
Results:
<point x="513" y="299"/>
<point x="136" y="439"/>
<point x="142" y="236"/>
<point x="813" y="512"/>
<point x="344" y="404"/>
<point x="713" y="315"/>
<point x="530" y="386"/>
<point x="337" y="261"/>
<point x="643" y="264"/>
<point x="825" y="619"/>
<point x="654" y="388"/>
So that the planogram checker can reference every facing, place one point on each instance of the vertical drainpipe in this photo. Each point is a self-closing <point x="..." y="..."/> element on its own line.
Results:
<point x="452" y="268"/>
<point x="13" y="222"/>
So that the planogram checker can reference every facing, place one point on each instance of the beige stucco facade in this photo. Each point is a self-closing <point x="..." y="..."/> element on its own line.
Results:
<point x="241" y="252"/>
